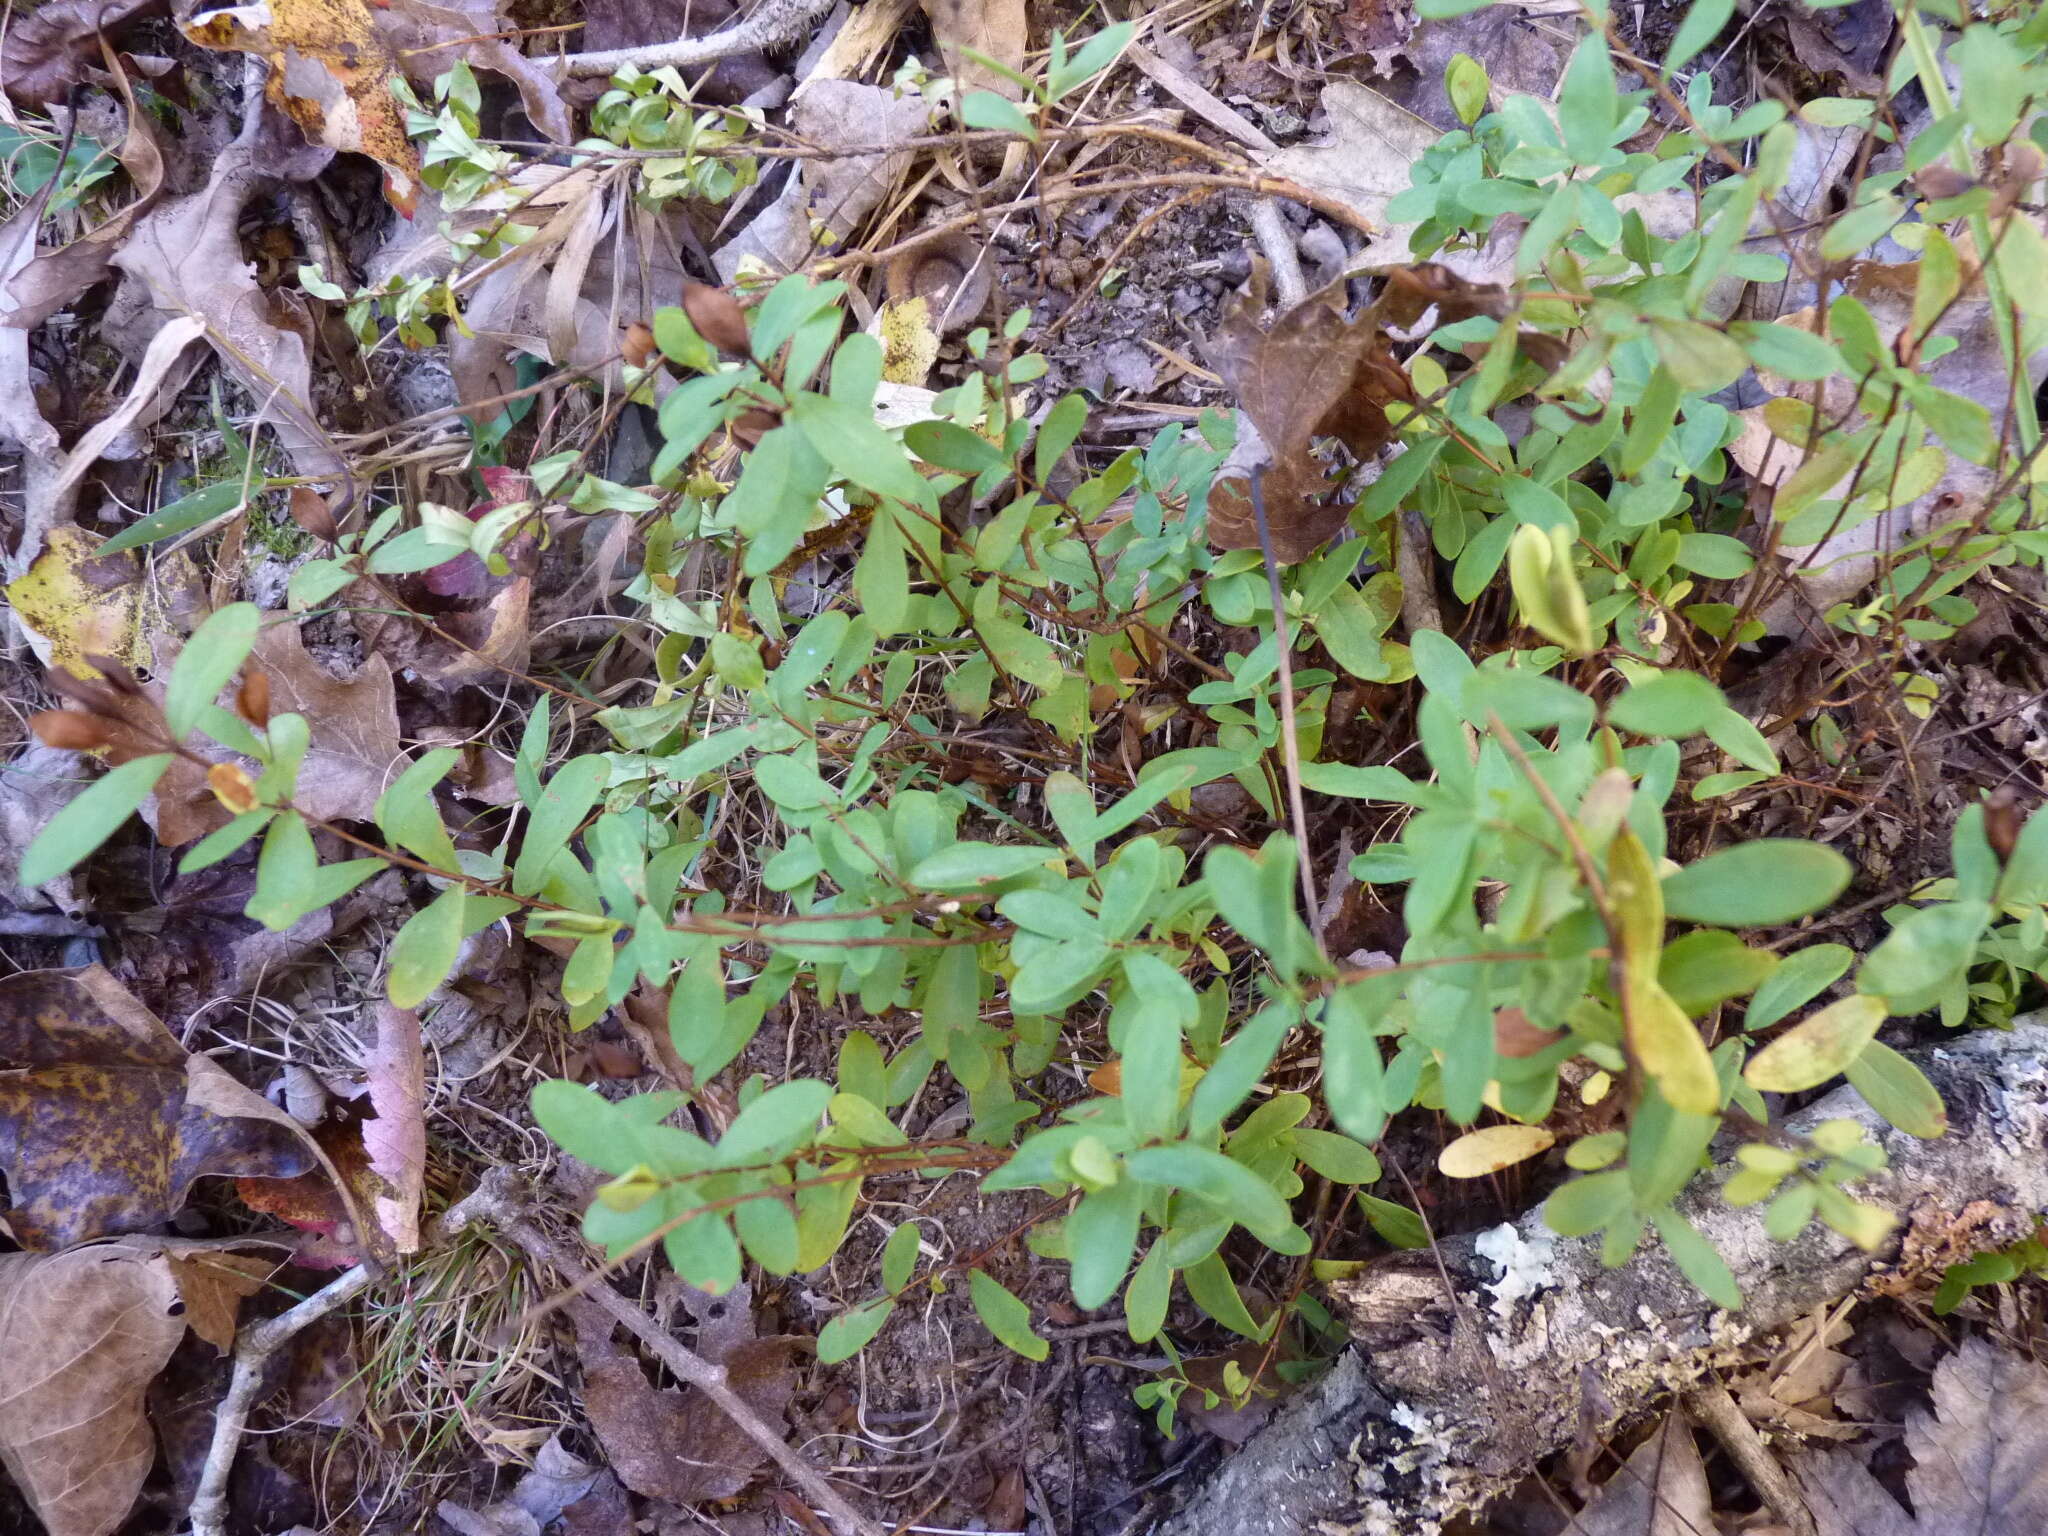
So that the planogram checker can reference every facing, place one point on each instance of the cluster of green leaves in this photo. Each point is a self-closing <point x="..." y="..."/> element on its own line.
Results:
<point x="652" y="111"/>
<point x="1067" y="70"/>
<point x="1651" y="309"/>
<point x="1530" y="864"/>
<point x="2001" y="1266"/>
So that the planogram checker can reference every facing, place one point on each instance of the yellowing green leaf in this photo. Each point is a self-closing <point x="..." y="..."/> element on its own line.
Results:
<point x="1818" y="1047"/>
<point x="1492" y="1148"/>
<point x="1666" y="1045"/>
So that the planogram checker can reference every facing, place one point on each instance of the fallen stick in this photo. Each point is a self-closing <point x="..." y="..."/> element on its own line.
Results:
<point x="255" y="1344"/>
<point x="773" y="24"/>
<point x="1449" y="1396"/>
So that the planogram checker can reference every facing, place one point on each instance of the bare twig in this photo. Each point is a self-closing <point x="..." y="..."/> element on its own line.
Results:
<point x="253" y="1348"/>
<point x="1710" y="1403"/>
<point x="774" y="24"/>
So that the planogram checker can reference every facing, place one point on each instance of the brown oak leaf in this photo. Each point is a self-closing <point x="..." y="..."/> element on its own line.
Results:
<point x="1312" y="373"/>
<point x="49" y="47"/>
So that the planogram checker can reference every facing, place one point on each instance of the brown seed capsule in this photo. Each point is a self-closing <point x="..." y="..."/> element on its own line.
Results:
<point x="2002" y="821"/>
<point x="1941" y="181"/>
<point x="69" y="729"/>
<point x="95" y="697"/>
<point x="309" y="511"/>
<point x="717" y="316"/>
<point x="637" y="345"/>
<point x="252" y="699"/>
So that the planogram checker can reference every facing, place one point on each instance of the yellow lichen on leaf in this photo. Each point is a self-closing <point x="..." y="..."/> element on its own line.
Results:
<point x="910" y="345"/>
<point x="75" y="604"/>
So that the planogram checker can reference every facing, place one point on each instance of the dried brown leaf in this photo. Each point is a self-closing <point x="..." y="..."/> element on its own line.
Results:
<point x="55" y="278"/>
<point x="185" y="258"/>
<point x="1312" y="374"/>
<point x="838" y="191"/>
<point x="355" y="745"/>
<point x="397" y="1138"/>
<point x="351" y="755"/>
<point x="47" y="49"/>
<point x="1378" y="28"/>
<point x="994" y="29"/>
<point x="1980" y="1458"/>
<point x="674" y="1445"/>
<point x="429" y="40"/>
<point x="1842" y="564"/>
<point x="1366" y="161"/>
<point x="1300" y="521"/>
<point x="1661" y="1490"/>
<point x="82" y="1333"/>
<point x="213" y="1284"/>
<point x="105" y="1121"/>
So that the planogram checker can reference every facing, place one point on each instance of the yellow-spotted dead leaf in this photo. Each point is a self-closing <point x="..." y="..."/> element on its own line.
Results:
<point x="330" y="72"/>
<point x="1492" y="1148"/>
<point x="106" y="1121"/>
<point x="1667" y="1045"/>
<point x="75" y="604"/>
<point x="83" y="1333"/>
<point x="1817" y="1047"/>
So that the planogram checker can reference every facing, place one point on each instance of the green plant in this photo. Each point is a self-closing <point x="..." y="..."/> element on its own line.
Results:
<point x="2002" y="1266"/>
<point x="1529" y="848"/>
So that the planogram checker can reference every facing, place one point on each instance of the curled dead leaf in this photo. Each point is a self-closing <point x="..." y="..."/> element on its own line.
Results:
<point x="995" y="29"/>
<point x="1312" y="373"/>
<point x="396" y="1139"/>
<point x="47" y="49"/>
<point x="673" y="1445"/>
<point x="213" y="1283"/>
<point x="953" y="276"/>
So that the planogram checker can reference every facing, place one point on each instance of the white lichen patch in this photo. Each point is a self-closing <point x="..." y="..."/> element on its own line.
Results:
<point x="1523" y="1260"/>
